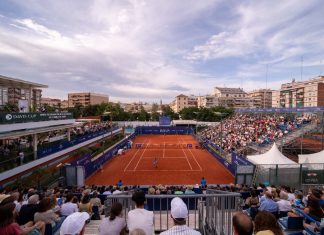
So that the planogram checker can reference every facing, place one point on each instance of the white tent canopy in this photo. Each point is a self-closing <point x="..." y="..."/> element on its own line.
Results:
<point x="311" y="158"/>
<point x="273" y="156"/>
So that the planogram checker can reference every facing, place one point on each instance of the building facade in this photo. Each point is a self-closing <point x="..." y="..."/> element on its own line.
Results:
<point x="86" y="98"/>
<point x="183" y="101"/>
<point x="207" y="101"/>
<point x="308" y="93"/>
<point x="56" y="103"/>
<point x="17" y="92"/>
<point x="261" y="98"/>
<point x="233" y="97"/>
<point x="275" y="99"/>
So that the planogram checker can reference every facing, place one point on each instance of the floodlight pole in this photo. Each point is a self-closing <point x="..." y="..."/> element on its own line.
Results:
<point x="322" y="130"/>
<point x="221" y="115"/>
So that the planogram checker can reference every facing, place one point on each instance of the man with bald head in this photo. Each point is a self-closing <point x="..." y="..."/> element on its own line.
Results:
<point x="268" y="204"/>
<point x="242" y="224"/>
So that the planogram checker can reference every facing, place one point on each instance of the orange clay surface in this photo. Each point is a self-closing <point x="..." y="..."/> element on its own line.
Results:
<point x="175" y="166"/>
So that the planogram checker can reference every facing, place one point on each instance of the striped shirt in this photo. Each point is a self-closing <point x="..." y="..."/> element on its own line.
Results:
<point x="180" y="230"/>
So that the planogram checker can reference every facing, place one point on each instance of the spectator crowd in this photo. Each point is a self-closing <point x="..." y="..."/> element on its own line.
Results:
<point x="240" y="130"/>
<point x="20" y="147"/>
<point x="67" y="210"/>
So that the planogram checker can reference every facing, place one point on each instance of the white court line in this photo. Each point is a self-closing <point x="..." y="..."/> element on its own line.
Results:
<point x="185" y="155"/>
<point x="165" y="157"/>
<point x="141" y="157"/>
<point x="132" y="159"/>
<point x="163" y="150"/>
<point x="194" y="157"/>
<point x="163" y="170"/>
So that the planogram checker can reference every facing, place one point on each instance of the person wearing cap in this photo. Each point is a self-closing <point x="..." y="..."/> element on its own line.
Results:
<point x="74" y="224"/>
<point x="139" y="217"/>
<point x="179" y="214"/>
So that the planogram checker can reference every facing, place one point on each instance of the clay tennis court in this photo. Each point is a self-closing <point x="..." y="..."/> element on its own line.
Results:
<point x="176" y="164"/>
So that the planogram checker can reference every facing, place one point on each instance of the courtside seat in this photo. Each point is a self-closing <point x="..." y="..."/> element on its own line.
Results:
<point x="292" y="223"/>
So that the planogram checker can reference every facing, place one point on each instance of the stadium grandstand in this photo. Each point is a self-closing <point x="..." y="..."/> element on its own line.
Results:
<point x="165" y="176"/>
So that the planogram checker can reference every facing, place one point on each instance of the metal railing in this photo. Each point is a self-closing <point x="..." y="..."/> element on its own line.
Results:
<point x="209" y="213"/>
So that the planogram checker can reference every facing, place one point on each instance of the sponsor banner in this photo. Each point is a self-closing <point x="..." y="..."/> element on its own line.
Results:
<point x="312" y="177"/>
<point x="210" y="148"/>
<point x="160" y="130"/>
<point x="238" y="160"/>
<point x="42" y="152"/>
<point x="92" y="166"/>
<point x="282" y="110"/>
<point x="165" y="120"/>
<point x="10" y="118"/>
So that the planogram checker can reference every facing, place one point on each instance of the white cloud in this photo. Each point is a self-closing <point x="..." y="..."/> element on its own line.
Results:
<point x="135" y="49"/>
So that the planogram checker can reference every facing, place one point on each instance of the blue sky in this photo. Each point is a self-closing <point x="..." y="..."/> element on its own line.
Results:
<point x="151" y="50"/>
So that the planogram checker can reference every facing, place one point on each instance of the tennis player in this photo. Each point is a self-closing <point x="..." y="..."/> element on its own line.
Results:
<point x="155" y="163"/>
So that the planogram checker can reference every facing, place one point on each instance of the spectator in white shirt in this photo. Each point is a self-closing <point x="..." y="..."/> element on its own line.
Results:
<point x="68" y="207"/>
<point x="115" y="224"/>
<point x="283" y="204"/>
<point x="139" y="217"/>
<point x="179" y="213"/>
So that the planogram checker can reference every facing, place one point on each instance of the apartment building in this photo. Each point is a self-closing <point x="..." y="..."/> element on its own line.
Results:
<point x="261" y="98"/>
<point x="64" y="104"/>
<point x="21" y="93"/>
<point x="275" y="99"/>
<point x="137" y="106"/>
<point x="51" y="102"/>
<point x="86" y="98"/>
<point x="183" y="101"/>
<point x="299" y="94"/>
<point x="56" y="103"/>
<point x="207" y="101"/>
<point x="233" y="97"/>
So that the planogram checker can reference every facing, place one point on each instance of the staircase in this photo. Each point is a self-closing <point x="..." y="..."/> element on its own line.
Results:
<point x="286" y="138"/>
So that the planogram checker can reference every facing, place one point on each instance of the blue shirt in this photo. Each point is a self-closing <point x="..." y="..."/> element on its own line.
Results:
<point x="203" y="182"/>
<point x="268" y="205"/>
<point x="120" y="183"/>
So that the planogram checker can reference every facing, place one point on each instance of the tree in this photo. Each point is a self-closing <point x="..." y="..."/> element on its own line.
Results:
<point x="9" y="108"/>
<point x="154" y="114"/>
<point x="189" y="113"/>
<point x="77" y="110"/>
<point x="143" y="115"/>
<point x="167" y="111"/>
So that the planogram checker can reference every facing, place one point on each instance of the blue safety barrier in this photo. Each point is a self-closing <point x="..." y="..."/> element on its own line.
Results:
<point x="161" y="130"/>
<point x="42" y="152"/>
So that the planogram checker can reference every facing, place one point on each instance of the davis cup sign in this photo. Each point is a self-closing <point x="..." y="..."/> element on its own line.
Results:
<point x="10" y="118"/>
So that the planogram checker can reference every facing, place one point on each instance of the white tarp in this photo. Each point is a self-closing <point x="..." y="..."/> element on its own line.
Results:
<point x="273" y="156"/>
<point x="311" y="158"/>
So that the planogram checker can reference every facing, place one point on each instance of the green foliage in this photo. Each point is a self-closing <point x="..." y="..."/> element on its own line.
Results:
<point x="205" y="114"/>
<point x="117" y="113"/>
<point x="167" y="111"/>
<point x="9" y="108"/>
